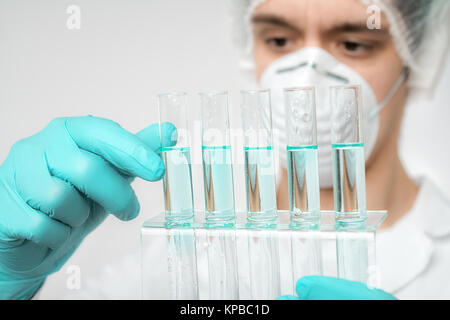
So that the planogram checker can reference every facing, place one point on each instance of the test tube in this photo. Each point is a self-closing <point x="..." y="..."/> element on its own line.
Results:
<point x="177" y="181"/>
<point x="222" y="264"/>
<point x="352" y="252"/>
<point x="182" y="263"/>
<point x="348" y="153"/>
<point x="264" y="264"/>
<point x="219" y="196"/>
<point x="302" y="158"/>
<point x="259" y="162"/>
<point x="303" y="180"/>
<point x="217" y="160"/>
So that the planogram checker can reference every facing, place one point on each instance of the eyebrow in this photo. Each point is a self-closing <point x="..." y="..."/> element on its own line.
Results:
<point x="355" y="27"/>
<point x="273" y="19"/>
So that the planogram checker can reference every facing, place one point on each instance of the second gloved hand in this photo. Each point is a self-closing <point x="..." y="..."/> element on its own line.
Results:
<point x="329" y="288"/>
<point x="60" y="184"/>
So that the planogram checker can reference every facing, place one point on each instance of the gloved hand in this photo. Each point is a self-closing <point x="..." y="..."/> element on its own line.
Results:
<point x="329" y="288"/>
<point x="60" y="184"/>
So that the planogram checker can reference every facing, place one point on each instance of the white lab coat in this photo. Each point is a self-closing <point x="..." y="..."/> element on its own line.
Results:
<point x="413" y="257"/>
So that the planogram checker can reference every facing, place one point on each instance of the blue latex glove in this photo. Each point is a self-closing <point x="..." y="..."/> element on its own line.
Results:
<point x="60" y="184"/>
<point x="329" y="288"/>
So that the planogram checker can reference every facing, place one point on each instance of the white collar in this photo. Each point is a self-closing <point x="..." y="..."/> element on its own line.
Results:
<point x="435" y="210"/>
<point x="405" y="249"/>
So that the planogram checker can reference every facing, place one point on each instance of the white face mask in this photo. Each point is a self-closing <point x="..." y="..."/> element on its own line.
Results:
<point x="316" y="67"/>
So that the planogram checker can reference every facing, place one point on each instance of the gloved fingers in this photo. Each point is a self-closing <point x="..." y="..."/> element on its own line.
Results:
<point x="151" y="136"/>
<point x="330" y="288"/>
<point x="321" y="288"/>
<point x="66" y="204"/>
<point x="43" y="230"/>
<point x="119" y="147"/>
<point x="51" y="195"/>
<point x="287" y="297"/>
<point x="96" y="179"/>
<point x="29" y="224"/>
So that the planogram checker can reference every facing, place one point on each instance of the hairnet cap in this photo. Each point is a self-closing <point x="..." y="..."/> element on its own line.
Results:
<point x="420" y="30"/>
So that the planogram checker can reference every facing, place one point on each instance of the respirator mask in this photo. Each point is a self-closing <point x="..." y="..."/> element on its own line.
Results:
<point x="316" y="67"/>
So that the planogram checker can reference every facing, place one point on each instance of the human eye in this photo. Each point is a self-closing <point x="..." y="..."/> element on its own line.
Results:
<point x="354" y="48"/>
<point x="278" y="43"/>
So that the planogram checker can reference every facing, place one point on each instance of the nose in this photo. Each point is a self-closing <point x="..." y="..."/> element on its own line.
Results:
<point x="313" y="39"/>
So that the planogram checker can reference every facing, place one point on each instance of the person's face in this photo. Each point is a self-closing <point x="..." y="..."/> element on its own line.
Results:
<point x="339" y="27"/>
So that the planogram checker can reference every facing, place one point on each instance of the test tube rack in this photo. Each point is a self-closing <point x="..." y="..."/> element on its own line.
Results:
<point x="198" y="259"/>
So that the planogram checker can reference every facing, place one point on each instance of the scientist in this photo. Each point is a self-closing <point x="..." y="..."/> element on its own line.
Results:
<point x="318" y="42"/>
<point x="60" y="184"/>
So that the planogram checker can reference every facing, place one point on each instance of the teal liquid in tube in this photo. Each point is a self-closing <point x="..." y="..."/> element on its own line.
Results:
<point x="177" y="182"/>
<point x="348" y="159"/>
<point x="175" y="153"/>
<point x="303" y="183"/>
<point x="260" y="180"/>
<point x="349" y="180"/>
<point x="260" y="184"/>
<point x="217" y="159"/>
<point x="218" y="180"/>
<point x="302" y="156"/>
<point x="219" y="196"/>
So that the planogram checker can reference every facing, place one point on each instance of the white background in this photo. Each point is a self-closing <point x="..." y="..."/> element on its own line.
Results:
<point x="127" y="52"/>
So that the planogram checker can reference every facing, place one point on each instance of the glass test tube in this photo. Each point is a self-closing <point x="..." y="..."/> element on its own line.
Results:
<point x="352" y="251"/>
<point x="178" y="195"/>
<point x="302" y="158"/>
<point x="219" y="196"/>
<point x="303" y="181"/>
<point x="259" y="162"/>
<point x="217" y="160"/>
<point x="348" y="153"/>
<point x="222" y="264"/>
<point x="264" y="264"/>
<point x="182" y="264"/>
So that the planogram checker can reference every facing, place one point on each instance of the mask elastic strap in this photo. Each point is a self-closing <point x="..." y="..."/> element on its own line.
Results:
<point x="374" y="112"/>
